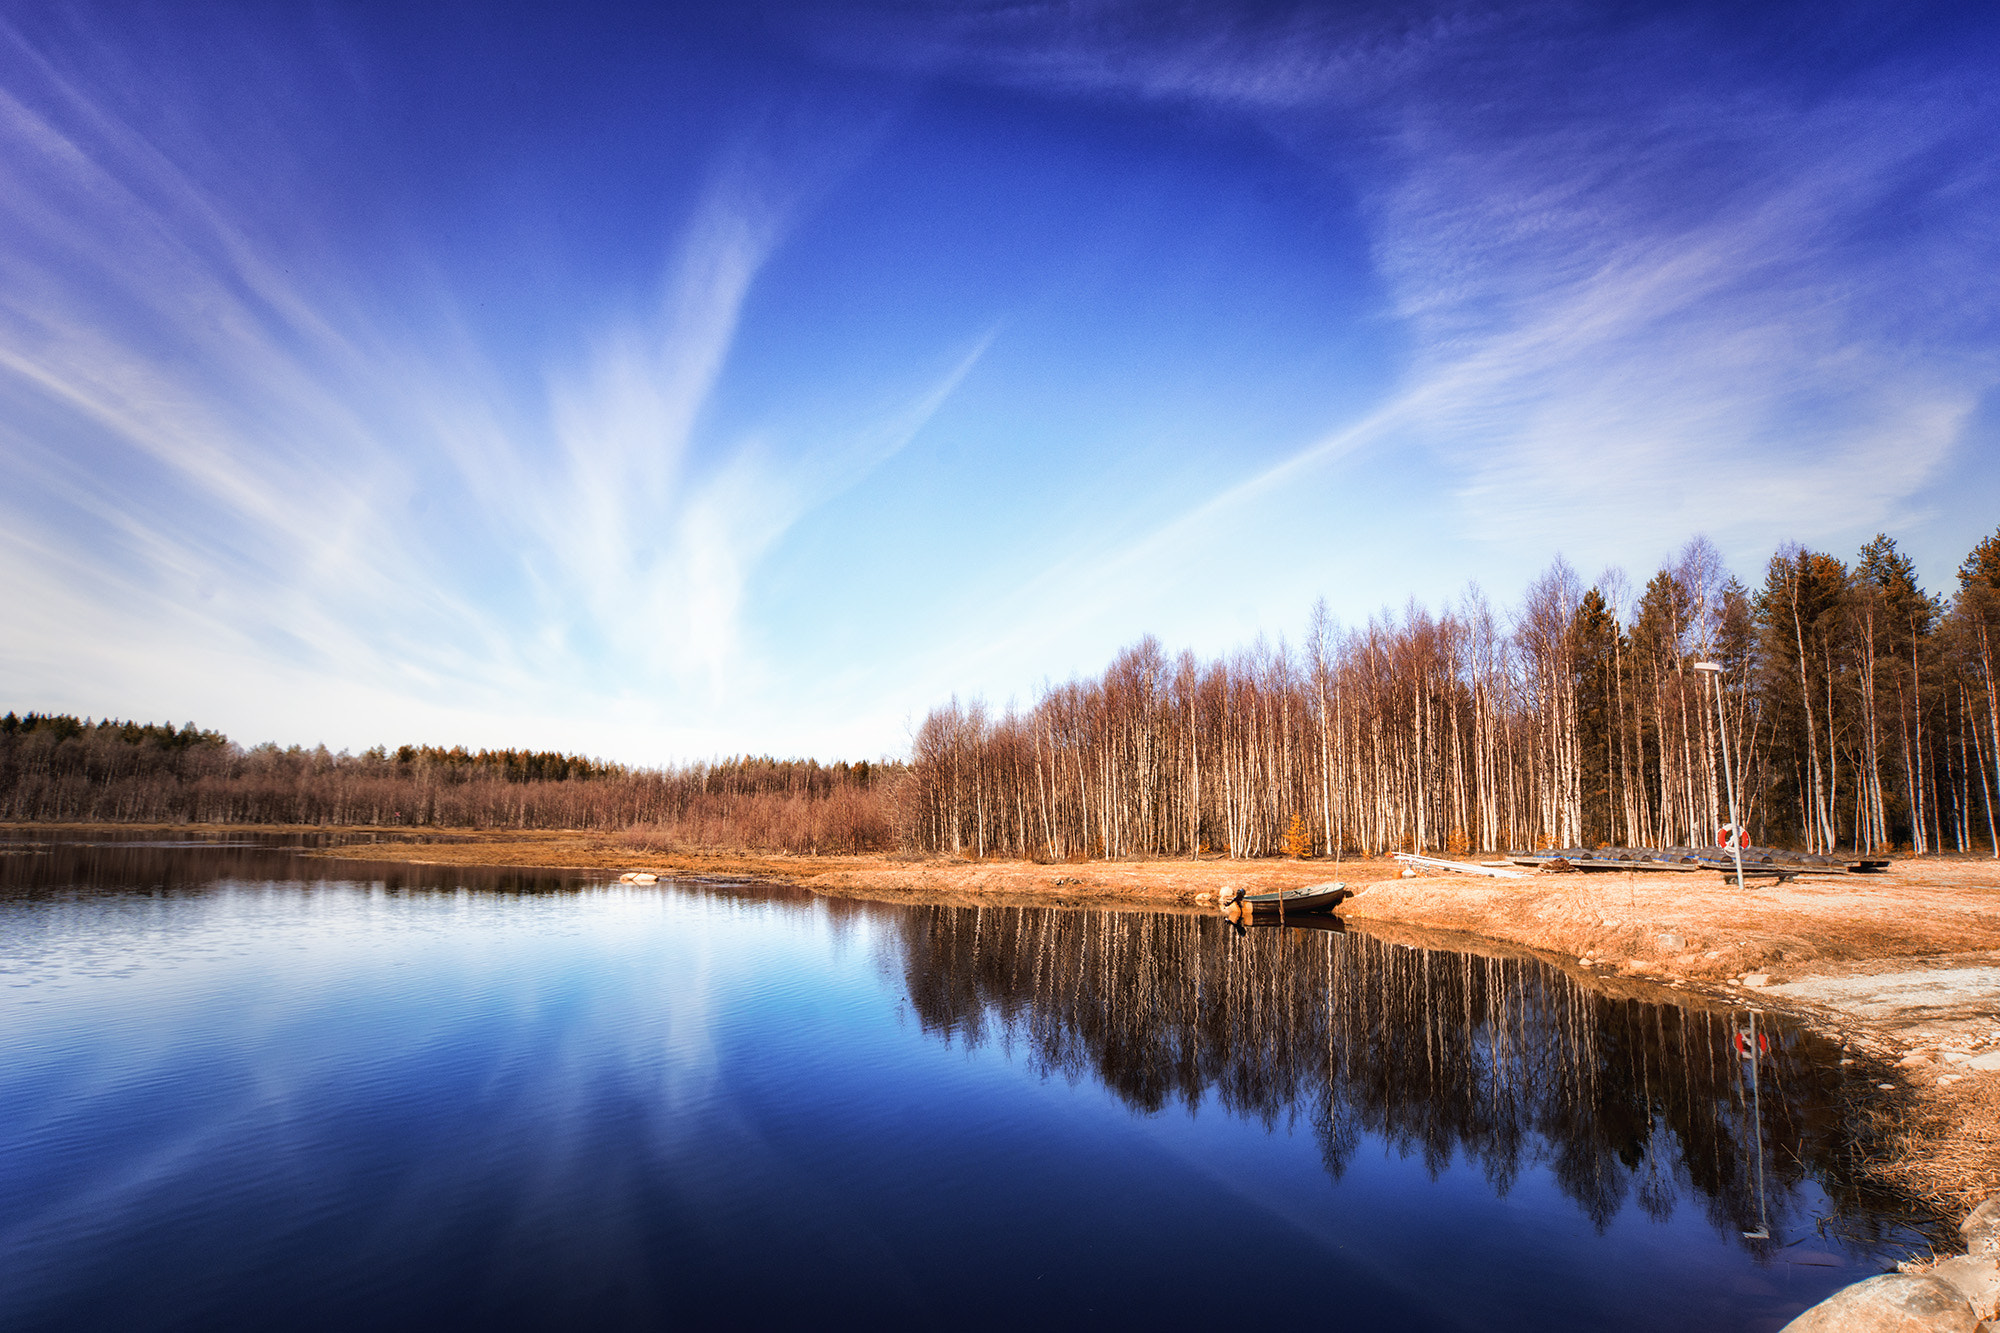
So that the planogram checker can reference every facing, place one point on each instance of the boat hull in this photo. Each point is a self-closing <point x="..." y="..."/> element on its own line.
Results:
<point x="1319" y="898"/>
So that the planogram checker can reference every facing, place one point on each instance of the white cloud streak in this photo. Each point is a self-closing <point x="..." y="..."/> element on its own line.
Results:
<point x="1650" y="287"/>
<point x="233" y="493"/>
<point x="1640" y="301"/>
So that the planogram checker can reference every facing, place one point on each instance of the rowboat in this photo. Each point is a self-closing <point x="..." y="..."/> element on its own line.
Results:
<point x="1312" y="898"/>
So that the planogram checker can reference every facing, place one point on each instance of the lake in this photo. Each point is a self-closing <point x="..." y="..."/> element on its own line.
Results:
<point x="242" y="1088"/>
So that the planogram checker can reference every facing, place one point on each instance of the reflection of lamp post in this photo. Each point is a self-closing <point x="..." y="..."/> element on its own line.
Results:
<point x="1728" y="777"/>
<point x="1750" y="1042"/>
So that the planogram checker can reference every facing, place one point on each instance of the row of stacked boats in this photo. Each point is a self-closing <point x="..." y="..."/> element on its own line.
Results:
<point x="1756" y="860"/>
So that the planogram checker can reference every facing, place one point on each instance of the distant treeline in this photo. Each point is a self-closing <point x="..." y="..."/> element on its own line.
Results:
<point x="1860" y="712"/>
<point x="58" y="767"/>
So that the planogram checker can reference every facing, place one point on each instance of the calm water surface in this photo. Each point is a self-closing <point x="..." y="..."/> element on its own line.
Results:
<point x="241" y="1088"/>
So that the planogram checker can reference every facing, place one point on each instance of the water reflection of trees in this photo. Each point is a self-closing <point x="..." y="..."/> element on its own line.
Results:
<point x="1506" y="1061"/>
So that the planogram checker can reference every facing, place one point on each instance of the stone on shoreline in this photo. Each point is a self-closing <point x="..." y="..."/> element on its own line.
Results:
<point x="1981" y="1228"/>
<point x="1891" y="1303"/>
<point x="1957" y="1296"/>
<point x="1975" y="1277"/>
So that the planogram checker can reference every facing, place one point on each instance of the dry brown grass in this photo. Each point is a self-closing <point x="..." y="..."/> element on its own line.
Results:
<point x="1943" y="1149"/>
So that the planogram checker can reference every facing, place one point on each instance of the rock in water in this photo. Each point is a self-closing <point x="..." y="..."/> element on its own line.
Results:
<point x="1892" y="1303"/>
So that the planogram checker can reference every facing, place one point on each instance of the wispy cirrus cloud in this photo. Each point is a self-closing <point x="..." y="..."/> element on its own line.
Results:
<point x="239" y="485"/>
<point x="345" y="394"/>
<point x="1737" y="308"/>
<point x="1655" y="276"/>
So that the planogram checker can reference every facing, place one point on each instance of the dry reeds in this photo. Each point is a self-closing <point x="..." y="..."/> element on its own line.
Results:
<point x="1945" y="1150"/>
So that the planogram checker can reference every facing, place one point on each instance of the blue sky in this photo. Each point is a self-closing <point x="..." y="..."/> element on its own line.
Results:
<point x="660" y="384"/>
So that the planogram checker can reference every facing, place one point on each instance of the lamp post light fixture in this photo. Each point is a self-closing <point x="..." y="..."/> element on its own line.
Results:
<point x="1728" y="777"/>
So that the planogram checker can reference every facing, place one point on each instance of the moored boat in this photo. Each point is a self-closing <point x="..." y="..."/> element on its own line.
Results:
<point x="1312" y="898"/>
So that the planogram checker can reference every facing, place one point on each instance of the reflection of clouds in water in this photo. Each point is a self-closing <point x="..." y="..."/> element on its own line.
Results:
<point x="1509" y="1063"/>
<point x="501" y="1021"/>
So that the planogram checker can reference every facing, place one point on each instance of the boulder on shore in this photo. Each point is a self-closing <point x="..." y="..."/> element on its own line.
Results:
<point x="1981" y="1228"/>
<point x="1975" y="1277"/>
<point x="1891" y="1303"/>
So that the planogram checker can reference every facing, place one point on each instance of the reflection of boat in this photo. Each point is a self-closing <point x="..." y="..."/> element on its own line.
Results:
<point x="1325" y="923"/>
<point x="1312" y="898"/>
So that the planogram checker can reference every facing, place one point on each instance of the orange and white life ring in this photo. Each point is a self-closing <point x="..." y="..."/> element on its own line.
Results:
<point x="1743" y="1047"/>
<point x="1728" y="831"/>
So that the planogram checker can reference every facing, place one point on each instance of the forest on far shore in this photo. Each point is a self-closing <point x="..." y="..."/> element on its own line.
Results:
<point x="61" y="768"/>
<point x="1859" y="712"/>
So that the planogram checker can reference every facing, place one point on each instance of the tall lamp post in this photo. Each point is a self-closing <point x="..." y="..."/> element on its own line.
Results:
<point x="1728" y="777"/>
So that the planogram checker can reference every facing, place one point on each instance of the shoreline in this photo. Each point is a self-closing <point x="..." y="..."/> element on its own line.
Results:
<point x="1904" y="966"/>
